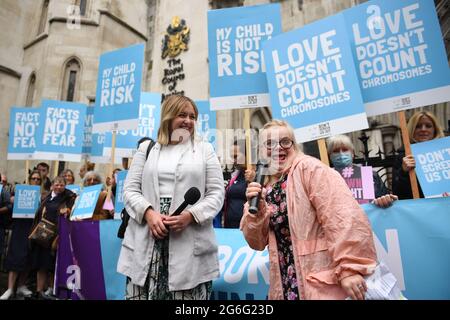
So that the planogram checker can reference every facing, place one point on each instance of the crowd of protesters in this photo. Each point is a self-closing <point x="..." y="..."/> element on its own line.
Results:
<point x="25" y="260"/>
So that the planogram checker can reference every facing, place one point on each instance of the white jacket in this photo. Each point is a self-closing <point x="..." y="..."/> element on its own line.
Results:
<point x="193" y="252"/>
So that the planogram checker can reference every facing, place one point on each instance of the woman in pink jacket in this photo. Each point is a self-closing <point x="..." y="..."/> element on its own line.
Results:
<point x="320" y="240"/>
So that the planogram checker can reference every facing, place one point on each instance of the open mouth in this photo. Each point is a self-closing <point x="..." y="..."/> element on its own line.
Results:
<point x="279" y="157"/>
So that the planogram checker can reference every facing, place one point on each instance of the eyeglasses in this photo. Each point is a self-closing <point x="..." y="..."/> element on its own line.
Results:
<point x="284" y="143"/>
<point x="36" y="179"/>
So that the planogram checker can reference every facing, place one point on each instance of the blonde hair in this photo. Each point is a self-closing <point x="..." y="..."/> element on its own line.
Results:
<point x="280" y="123"/>
<point x="170" y="109"/>
<point x="339" y="140"/>
<point x="412" y="124"/>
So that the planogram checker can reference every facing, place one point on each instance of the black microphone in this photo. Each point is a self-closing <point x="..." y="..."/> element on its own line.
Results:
<point x="260" y="166"/>
<point x="190" y="197"/>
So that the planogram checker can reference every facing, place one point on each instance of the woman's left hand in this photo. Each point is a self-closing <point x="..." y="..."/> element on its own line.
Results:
<point x="385" y="201"/>
<point x="180" y="222"/>
<point x="355" y="286"/>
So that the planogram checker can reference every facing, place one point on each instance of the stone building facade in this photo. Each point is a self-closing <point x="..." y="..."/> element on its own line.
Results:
<point x="50" y="50"/>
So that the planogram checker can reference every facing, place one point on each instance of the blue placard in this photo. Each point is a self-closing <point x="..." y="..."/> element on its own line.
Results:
<point x="312" y="80"/>
<point x="118" y="89"/>
<point x="23" y="126"/>
<point x="98" y="142"/>
<point x="87" y="133"/>
<point x="206" y="122"/>
<point x="26" y="201"/>
<point x="399" y="54"/>
<point x="120" y="180"/>
<point x="433" y="166"/>
<point x="60" y="137"/>
<point x="86" y="202"/>
<point x="236" y="63"/>
<point x="126" y="140"/>
<point x="75" y="188"/>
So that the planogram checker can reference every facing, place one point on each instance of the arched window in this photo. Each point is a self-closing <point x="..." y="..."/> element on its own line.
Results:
<point x="83" y="6"/>
<point x="71" y="80"/>
<point x="43" y="19"/>
<point x="30" y="90"/>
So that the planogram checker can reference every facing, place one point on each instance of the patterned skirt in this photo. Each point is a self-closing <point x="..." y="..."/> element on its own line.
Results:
<point x="156" y="286"/>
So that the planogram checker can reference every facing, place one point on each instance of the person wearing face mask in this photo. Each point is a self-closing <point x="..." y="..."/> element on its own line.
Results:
<point x="320" y="241"/>
<point x="341" y="152"/>
<point x="422" y="126"/>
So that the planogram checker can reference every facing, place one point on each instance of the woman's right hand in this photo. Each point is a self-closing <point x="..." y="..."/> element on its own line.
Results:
<point x="408" y="163"/>
<point x="253" y="189"/>
<point x="155" y="222"/>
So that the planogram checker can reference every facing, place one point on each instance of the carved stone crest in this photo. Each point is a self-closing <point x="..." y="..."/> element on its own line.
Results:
<point x="176" y="39"/>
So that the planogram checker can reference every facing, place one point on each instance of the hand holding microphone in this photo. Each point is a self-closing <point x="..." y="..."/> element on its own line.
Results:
<point x="255" y="192"/>
<point x="180" y="219"/>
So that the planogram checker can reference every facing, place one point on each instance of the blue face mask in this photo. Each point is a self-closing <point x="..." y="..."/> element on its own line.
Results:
<point x="341" y="159"/>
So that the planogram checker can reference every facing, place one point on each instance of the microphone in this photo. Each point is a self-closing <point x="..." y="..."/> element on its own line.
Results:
<point x="260" y="166"/>
<point x="190" y="197"/>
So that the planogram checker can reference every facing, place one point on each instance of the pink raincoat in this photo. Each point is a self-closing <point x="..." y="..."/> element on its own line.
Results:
<point x="331" y="235"/>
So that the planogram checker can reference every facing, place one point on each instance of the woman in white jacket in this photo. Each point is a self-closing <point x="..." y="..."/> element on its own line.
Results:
<point x="165" y="256"/>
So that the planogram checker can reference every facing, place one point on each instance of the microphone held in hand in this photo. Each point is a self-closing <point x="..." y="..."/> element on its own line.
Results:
<point x="259" y="178"/>
<point x="190" y="197"/>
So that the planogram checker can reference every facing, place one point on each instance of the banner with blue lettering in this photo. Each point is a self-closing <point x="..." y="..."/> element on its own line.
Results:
<point x="237" y="74"/>
<point x="85" y="204"/>
<point x="87" y="133"/>
<point x="312" y="80"/>
<point x="118" y="89"/>
<point x="26" y="201"/>
<point x="23" y="126"/>
<point x="126" y="140"/>
<point x="433" y="166"/>
<point x="412" y="238"/>
<point x="120" y="180"/>
<point x="399" y="54"/>
<point x="206" y="122"/>
<point x="60" y="137"/>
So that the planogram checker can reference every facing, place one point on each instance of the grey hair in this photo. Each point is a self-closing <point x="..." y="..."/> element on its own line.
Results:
<point x="339" y="140"/>
<point x="92" y="173"/>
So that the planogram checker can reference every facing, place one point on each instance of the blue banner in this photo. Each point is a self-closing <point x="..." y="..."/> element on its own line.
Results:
<point x="312" y="80"/>
<point x="23" y="126"/>
<point x="85" y="204"/>
<point x="412" y="238"/>
<point x="120" y="180"/>
<point x="237" y="74"/>
<point x="126" y="140"/>
<point x="118" y="89"/>
<point x="60" y="137"/>
<point x="26" y="201"/>
<point x="433" y="166"/>
<point x="399" y="54"/>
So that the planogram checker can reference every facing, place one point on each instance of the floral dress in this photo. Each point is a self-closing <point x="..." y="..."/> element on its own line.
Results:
<point x="279" y="223"/>
<point x="156" y="286"/>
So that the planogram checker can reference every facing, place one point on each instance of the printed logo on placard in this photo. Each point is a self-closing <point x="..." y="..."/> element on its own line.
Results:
<point x="252" y="100"/>
<point x="324" y="128"/>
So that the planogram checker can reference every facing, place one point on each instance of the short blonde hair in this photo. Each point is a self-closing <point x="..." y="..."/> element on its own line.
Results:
<point x="280" y="123"/>
<point x="339" y="140"/>
<point x="170" y="109"/>
<point x="412" y="124"/>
